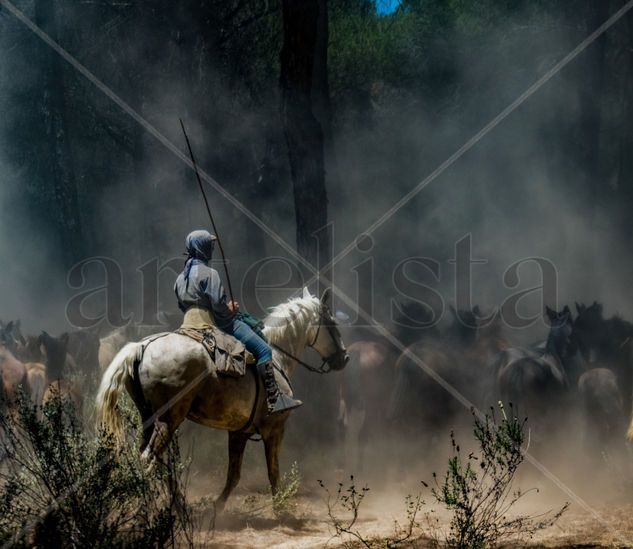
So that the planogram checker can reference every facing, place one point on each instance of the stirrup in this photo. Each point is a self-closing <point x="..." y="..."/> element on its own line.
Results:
<point x="283" y="403"/>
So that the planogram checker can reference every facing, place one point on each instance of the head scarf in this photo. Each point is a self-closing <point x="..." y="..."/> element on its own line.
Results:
<point x="199" y="246"/>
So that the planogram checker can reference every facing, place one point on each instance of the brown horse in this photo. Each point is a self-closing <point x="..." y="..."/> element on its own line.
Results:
<point x="173" y="378"/>
<point x="13" y="376"/>
<point x="58" y="385"/>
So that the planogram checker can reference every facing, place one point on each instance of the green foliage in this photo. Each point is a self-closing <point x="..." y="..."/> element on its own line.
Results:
<point x="284" y="501"/>
<point x="64" y="488"/>
<point x="478" y="488"/>
<point x="365" y="48"/>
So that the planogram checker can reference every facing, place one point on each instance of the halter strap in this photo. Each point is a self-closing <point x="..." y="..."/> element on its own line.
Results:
<point x="324" y="368"/>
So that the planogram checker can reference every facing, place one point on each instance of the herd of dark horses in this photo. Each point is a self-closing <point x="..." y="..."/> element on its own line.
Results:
<point x="68" y="367"/>
<point x="577" y="383"/>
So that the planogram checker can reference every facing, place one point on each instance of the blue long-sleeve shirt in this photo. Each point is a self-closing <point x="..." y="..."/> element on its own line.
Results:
<point x="203" y="289"/>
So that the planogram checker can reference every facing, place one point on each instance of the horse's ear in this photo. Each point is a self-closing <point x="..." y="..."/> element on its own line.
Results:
<point x="551" y="314"/>
<point x="566" y="310"/>
<point x="325" y="296"/>
<point x="306" y="293"/>
<point x="64" y="338"/>
<point x="9" y="327"/>
<point x="580" y="308"/>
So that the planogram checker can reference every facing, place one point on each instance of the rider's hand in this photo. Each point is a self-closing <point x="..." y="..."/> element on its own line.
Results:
<point x="234" y="306"/>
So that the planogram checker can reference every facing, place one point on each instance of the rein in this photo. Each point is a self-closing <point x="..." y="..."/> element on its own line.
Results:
<point x="323" y="369"/>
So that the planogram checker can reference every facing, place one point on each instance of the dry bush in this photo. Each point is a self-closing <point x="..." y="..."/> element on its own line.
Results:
<point x="62" y="487"/>
<point x="478" y="489"/>
<point x="343" y="508"/>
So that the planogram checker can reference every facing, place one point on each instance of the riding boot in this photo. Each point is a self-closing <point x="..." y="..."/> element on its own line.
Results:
<point x="276" y="400"/>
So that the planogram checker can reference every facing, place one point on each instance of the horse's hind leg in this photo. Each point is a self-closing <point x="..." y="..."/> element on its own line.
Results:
<point x="147" y="430"/>
<point x="237" y="445"/>
<point x="161" y="434"/>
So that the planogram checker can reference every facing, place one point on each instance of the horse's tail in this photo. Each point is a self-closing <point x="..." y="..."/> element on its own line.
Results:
<point x="112" y="383"/>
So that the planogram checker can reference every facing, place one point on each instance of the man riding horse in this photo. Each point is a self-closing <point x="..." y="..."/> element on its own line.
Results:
<point x="202" y="298"/>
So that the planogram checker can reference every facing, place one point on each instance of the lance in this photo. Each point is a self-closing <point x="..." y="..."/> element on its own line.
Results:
<point x="206" y="203"/>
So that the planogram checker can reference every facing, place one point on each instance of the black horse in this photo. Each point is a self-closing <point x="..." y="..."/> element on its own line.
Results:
<point x="535" y="380"/>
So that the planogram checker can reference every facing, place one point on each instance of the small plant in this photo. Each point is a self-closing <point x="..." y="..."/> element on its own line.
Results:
<point x="61" y="487"/>
<point x="478" y="489"/>
<point x="343" y="513"/>
<point x="284" y="501"/>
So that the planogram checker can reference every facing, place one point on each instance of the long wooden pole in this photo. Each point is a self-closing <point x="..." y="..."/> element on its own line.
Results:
<point x="206" y="203"/>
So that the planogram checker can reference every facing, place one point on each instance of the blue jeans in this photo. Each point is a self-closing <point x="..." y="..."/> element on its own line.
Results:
<point x="253" y="343"/>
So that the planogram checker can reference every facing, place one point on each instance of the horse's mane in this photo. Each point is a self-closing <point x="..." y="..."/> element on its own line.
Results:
<point x="290" y="321"/>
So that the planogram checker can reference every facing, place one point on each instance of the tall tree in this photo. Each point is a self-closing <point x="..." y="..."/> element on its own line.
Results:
<point x="58" y="187"/>
<point x="302" y="130"/>
<point x="624" y="159"/>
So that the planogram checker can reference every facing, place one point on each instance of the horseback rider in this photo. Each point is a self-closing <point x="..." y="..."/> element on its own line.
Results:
<point x="202" y="298"/>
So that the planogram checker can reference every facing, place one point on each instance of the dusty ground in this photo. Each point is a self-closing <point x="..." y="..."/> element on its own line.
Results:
<point x="249" y="522"/>
<point x="600" y="512"/>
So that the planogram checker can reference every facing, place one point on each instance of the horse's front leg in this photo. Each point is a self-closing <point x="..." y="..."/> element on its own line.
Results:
<point x="272" y="445"/>
<point x="237" y="445"/>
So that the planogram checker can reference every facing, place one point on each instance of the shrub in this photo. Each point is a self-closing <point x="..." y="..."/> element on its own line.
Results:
<point x="478" y="489"/>
<point x="343" y="509"/>
<point x="62" y="487"/>
<point x="284" y="500"/>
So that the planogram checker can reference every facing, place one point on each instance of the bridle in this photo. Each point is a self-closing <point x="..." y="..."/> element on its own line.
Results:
<point x="325" y="318"/>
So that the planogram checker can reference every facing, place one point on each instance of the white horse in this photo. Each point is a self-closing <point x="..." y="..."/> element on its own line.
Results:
<point x="173" y="378"/>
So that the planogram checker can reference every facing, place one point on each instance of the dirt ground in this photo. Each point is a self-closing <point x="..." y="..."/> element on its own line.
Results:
<point x="249" y="522"/>
<point x="600" y="513"/>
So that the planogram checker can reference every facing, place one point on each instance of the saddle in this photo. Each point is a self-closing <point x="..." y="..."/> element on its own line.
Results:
<point x="228" y="354"/>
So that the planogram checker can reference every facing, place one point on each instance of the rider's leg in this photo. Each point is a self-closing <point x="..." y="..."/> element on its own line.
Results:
<point x="277" y="401"/>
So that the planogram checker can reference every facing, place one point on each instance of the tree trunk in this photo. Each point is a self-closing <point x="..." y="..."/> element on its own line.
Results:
<point x="301" y="95"/>
<point x="625" y="160"/>
<point x="58" y="184"/>
<point x="303" y="133"/>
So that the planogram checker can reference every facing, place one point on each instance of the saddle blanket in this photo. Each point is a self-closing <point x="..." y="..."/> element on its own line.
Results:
<point x="228" y="354"/>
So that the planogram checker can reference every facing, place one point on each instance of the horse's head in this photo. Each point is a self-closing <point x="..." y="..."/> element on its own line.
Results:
<point x="55" y="350"/>
<point x="559" y="341"/>
<point x="414" y="321"/>
<point x="590" y="330"/>
<point x="11" y="336"/>
<point x="326" y="339"/>
<point x="465" y="325"/>
<point x="7" y="359"/>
